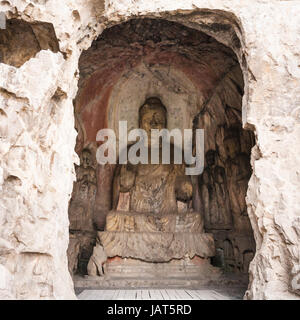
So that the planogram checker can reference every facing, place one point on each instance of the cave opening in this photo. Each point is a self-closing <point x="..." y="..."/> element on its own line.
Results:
<point x="200" y="83"/>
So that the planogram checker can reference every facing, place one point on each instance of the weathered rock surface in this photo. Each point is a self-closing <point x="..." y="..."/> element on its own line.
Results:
<point x="155" y="238"/>
<point x="30" y="37"/>
<point x="173" y="273"/>
<point x="37" y="136"/>
<point x="73" y="253"/>
<point x="157" y="246"/>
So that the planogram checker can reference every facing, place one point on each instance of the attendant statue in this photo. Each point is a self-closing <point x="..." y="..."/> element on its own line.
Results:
<point x="214" y="194"/>
<point x="238" y="172"/>
<point x="83" y="197"/>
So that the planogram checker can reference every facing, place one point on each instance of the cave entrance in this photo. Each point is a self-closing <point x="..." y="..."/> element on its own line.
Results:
<point x="199" y="82"/>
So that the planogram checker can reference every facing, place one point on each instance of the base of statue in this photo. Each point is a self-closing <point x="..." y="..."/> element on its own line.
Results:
<point x="157" y="246"/>
<point x="172" y="245"/>
<point x="153" y="238"/>
<point x="196" y="268"/>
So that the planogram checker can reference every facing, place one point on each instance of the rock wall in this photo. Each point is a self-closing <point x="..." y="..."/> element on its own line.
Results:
<point x="38" y="137"/>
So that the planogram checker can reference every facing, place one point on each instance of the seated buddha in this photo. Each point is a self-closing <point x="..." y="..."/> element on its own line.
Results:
<point x="152" y="218"/>
<point x="153" y="188"/>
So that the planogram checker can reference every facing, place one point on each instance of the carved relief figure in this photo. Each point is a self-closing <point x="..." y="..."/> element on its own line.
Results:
<point x="83" y="197"/>
<point x="238" y="172"/>
<point x="229" y="255"/>
<point x="214" y="194"/>
<point x="97" y="260"/>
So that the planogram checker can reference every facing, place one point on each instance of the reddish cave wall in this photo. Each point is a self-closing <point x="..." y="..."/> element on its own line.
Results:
<point x="92" y="104"/>
<point x="201" y="58"/>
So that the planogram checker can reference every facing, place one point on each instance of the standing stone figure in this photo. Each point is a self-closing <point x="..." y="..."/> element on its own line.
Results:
<point x="83" y="197"/>
<point x="238" y="172"/>
<point x="214" y="194"/>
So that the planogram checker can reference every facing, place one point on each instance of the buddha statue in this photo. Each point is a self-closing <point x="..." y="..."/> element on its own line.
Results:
<point x="152" y="219"/>
<point x="153" y="188"/>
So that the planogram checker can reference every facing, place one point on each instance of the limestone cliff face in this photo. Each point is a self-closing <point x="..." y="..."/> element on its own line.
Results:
<point x="37" y="131"/>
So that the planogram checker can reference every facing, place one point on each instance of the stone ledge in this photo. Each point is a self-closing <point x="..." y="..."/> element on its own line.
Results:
<point x="157" y="246"/>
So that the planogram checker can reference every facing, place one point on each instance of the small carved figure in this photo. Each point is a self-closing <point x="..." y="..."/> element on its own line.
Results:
<point x="214" y="194"/>
<point x="83" y="197"/>
<point x="97" y="260"/>
<point x="86" y="177"/>
<point x="238" y="172"/>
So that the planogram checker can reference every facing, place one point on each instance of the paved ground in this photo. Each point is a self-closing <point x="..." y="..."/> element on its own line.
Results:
<point x="155" y="294"/>
<point x="228" y="287"/>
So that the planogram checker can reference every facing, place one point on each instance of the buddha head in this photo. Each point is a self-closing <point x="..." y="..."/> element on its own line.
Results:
<point x="232" y="143"/>
<point x="86" y="158"/>
<point x="152" y="115"/>
<point x="210" y="158"/>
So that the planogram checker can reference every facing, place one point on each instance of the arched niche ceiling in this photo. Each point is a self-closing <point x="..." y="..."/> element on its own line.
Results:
<point x="151" y="57"/>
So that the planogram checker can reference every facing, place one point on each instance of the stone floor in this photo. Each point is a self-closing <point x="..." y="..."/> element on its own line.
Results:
<point x="229" y="286"/>
<point x="154" y="294"/>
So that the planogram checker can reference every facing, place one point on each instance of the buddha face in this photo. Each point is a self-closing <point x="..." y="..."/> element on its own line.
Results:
<point x="232" y="147"/>
<point x="210" y="158"/>
<point x="86" y="159"/>
<point x="153" y="117"/>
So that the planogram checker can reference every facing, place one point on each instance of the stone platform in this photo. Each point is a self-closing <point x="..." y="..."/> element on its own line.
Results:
<point x="157" y="246"/>
<point x="154" y="238"/>
<point x="196" y="268"/>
